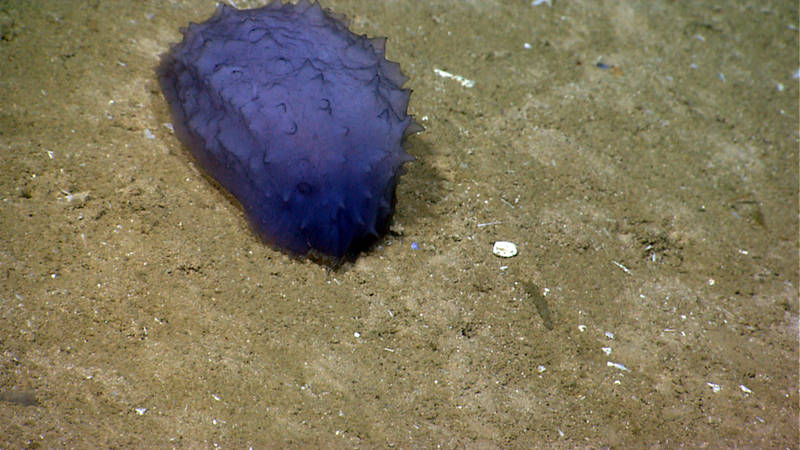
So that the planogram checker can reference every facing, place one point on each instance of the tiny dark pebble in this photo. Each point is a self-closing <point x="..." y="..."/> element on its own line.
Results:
<point x="24" y="398"/>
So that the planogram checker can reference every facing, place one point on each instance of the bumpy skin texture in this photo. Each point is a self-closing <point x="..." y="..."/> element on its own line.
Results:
<point x="300" y="119"/>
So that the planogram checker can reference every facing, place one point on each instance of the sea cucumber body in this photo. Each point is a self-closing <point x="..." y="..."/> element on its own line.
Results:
<point x="300" y="119"/>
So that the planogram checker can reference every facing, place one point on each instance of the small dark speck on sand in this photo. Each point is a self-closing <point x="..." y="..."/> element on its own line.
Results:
<point x="535" y="292"/>
<point x="24" y="398"/>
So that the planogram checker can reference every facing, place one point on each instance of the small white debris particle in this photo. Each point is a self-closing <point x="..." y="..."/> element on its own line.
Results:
<point x="541" y="368"/>
<point x="542" y="2"/>
<point x="714" y="387"/>
<point x="581" y="328"/>
<point x="140" y="411"/>
<point x="504" y="249"/>
<point x="609" y="334"/>
<point x="149" y="134"/>
<point x="481" y="225"/>
<point x="617" y="366"/>
<point x="526" y="46"/>
<point x="216" y="397"/>
<point x="625" y="269"/>
<point x="745" y="389"/>
<point x="607" y="350"/>
<point x="51" y="154"/>
<point x="357" y="334"/>
<point x="464" y="81"/>
<point x="711" y="282"/>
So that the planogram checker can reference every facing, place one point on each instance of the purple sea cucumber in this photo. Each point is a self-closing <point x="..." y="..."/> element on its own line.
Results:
<point x="300" y="119"/>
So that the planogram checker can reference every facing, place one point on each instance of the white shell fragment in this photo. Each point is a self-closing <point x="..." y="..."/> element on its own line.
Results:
<point x="617" y="366"/>
<point x="464" y="81"/>
<point x="504" y="249"/>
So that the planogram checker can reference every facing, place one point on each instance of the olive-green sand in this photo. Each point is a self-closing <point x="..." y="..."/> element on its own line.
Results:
<point x="642" y="156"/>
